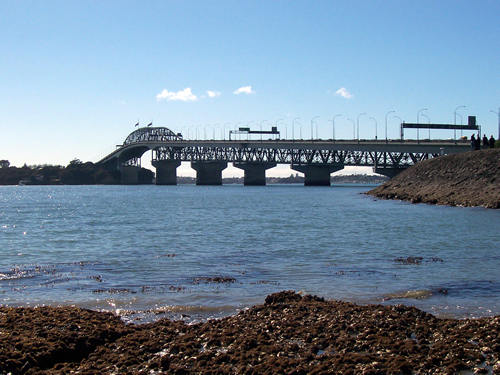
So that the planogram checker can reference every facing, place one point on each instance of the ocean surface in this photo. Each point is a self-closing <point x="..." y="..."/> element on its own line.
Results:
<point x="196" y="252"/>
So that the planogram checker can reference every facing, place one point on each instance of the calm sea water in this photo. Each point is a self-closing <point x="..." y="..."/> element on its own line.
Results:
<point x="155" y="251"/>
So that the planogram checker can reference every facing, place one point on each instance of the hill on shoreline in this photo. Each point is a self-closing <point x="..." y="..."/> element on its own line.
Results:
<point x="467" y="179"/>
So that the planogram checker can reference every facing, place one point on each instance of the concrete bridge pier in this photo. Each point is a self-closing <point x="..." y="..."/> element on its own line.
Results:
<point x="166" y="171"/>
<point x="255" y="173"/>
<point x="129" y="175"/>
<point x="317" y="175"/>
<point x="389" y="172"/>
<point x="209" y="172"/>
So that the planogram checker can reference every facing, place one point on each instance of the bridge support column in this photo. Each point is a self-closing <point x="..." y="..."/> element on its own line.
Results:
<point x="317" y="175"/>
<point x="129" y="175"/>
<point x="389" y="172"/>
<point x="166" y="171"/>
<point x="255" y="172"/>
<point x="208" y="172"/>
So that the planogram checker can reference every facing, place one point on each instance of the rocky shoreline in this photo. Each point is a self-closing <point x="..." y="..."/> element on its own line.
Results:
<point x="469" y="179"/>
<point x="290" y="333"/>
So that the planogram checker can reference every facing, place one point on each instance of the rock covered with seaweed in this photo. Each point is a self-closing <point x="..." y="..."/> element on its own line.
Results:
<point x="467" y="179"/>
<point x="290" y="333"/>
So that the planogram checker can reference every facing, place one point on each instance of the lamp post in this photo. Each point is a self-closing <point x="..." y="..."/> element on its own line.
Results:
<point x="236" y="128"/>
<point x="312" y="127"/>
<point x="224" y="129"/>
<point x="293" y="126"/>
<point x="215" y="126"/>
<point x="375" y="121"/>
<point x="386" y="115"/>
<point x="353" y="128"/>
<point x="418" y="118"/>
<point x="277" y="122"/>
<point x="428" y="122"/>
<point x="498" y="114"/>
<point x="333" y="125"/>
<point x="260" y="124"/>
<point x="455" y="119"/>
<point x="248" y="125"/>
<point x="357" y="123"/>
<point x="400" y="122"/>
<point x="461" y="123"/>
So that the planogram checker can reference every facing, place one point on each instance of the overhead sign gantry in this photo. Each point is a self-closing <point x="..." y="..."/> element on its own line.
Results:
<point x="274" y="131"/>
<point x="471" y="125"/>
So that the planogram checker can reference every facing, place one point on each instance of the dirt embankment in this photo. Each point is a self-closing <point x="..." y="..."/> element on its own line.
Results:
<point x="288" y="334"/>
<point x="467" y="179"/>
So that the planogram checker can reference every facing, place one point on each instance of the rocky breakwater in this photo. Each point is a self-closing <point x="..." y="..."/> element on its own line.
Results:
<point x="467" y="179"/>
<point x="290" y="334"/>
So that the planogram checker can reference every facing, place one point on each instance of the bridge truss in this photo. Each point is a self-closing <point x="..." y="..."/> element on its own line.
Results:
<point x="302" y="156"/>
<point x="167" y="145"/>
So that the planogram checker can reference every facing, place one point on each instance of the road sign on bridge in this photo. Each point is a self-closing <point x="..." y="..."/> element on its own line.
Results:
<point x="471" y="125"/>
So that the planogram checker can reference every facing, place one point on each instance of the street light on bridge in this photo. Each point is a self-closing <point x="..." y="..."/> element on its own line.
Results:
<point x="260" y="124"/>
<point x="461" y="123"/>
<point x="248" y="125"/>
<point x="293" y="127"/>
<point x="312" y="127"/>
<point x="418" y="113"/>
<point x="215" y="126"/>
<point x="357" y="122"/>
<point x="455" y="119"/>
<point x="375" y="120"/>
<point x="386" y="115"/>
<point x="224" y="130"/>
<point x="428" y="122"/>
<point x="277" y="122"/>
<point x="418" y="118"/>
<point x="333" y="125"/>
<point x="353" y="128"/>
<point x="400" y="121"/>
<point x="236" y="129"/>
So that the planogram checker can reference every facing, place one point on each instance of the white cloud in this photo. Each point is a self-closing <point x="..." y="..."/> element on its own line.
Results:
<point x="244" y="90"/>
<point x="183" y="95"/>
<point x="213" y="94"/>
<point x="344" y="93"/>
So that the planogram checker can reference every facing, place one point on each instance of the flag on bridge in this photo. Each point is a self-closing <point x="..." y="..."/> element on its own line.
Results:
<point x="151" y="123"/>
<point x="137" y="124"/>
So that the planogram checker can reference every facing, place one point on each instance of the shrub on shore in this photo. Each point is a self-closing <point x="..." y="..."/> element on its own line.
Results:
<point x="75" y="173"/>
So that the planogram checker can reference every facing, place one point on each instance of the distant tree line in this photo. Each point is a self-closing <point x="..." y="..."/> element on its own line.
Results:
<point x="75" y="173"/>
<point x="296" y="179"/>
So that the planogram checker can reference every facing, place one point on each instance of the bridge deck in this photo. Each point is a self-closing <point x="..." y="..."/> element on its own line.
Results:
<point x="377" y="146"/>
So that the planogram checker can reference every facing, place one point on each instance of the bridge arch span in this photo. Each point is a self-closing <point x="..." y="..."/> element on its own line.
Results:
<point x="138" y="142"/>
<point x="147" y="134"/>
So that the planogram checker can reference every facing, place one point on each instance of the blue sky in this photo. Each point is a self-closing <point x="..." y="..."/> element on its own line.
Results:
<point x="75" y="76"/>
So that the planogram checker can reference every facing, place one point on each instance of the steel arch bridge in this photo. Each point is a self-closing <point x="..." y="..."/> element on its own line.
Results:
<point x="168" y="145"/>
<point x="147" y="134"/>
<point x="386" y="157"/>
